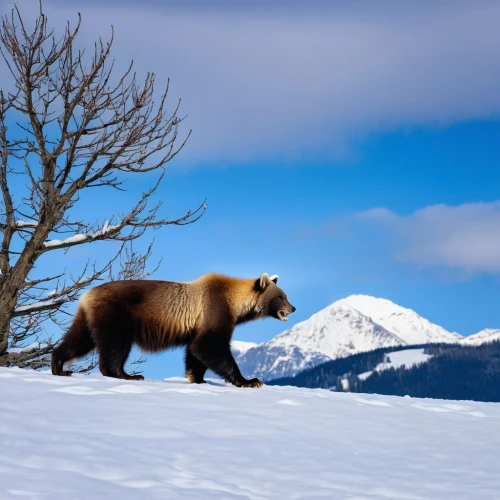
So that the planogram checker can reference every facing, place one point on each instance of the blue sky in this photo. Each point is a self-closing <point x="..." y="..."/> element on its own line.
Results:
<point x="346" y="148"/>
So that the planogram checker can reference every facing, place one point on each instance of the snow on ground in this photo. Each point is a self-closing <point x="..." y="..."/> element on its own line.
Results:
<point x="397" y="359"/>
<point x="90" y="437"/>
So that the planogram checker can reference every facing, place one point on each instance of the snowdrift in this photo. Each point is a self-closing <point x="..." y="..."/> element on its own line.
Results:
<point x="90" y="437"/>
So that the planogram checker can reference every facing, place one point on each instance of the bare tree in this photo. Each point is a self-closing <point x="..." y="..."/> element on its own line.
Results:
<point x="67" y="126"/>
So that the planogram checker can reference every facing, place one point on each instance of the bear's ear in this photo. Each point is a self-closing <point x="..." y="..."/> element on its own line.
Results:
<point x="264" y="281"/>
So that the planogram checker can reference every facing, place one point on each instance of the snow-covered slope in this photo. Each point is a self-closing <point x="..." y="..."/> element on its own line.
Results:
<point x="92" y="437"/>
<point x="405" y="323"/>
<point x="482" y="337"/>
<point x="355" y="324"/>
<point x="397" y="359"/>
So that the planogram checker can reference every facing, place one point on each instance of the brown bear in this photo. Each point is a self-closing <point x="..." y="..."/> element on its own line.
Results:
<point x="157" y="315"/>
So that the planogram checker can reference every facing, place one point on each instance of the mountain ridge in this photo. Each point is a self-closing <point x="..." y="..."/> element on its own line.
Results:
<point x="354" y="324"/>
<point x="481" y="337"/>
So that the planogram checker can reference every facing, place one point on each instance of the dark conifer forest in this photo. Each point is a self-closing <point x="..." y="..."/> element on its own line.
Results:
<point x="453" y="372"/>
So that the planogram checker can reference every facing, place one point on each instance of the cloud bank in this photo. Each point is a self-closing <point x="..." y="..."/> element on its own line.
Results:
<point x="464" y="237"/>
<point x="287" y="80"/>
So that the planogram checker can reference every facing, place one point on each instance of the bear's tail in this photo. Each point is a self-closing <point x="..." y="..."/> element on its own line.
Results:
<point x="76" y="343"/>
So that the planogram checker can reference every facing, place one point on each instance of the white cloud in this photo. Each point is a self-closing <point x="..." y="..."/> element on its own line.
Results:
<point x="465" y="237"/>
<point x="286" y="79"/>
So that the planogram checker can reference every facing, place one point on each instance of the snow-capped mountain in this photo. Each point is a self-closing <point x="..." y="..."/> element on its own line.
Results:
<point x="240" y="347"/>
<point x="272" y="360"/>
<point x="405" y="323"/>
<point x="355" y="324"/>
<point x="482" y="337"/>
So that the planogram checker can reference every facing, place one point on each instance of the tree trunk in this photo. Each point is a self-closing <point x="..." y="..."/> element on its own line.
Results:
<point x="15" y="280"/>
<point x="6" y="309"/>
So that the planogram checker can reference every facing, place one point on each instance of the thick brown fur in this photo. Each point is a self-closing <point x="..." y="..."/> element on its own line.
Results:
<point x="158" y="315"/>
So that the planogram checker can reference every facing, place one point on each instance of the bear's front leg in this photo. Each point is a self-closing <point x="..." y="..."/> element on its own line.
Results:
<point x="254" y="382"/>
<point x="195" y="369"/>
<point x="214" y="351"/>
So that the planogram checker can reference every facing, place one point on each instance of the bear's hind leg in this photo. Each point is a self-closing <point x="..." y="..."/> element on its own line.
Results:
<point x="195" y="369"/>
<point x="113" y="353"/>
<point x="76" y="343"/>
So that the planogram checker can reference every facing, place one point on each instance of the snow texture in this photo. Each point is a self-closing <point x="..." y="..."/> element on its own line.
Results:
<point x="52" y="243"/>
<point x="240" y="347"/>
<point x="398" y="359"/>
<point x="106" y="228"/>
<point x="355" y="324"/>
<point x="403" y="322"/>
<point x="28" y="348"/>
<point x="77" y="238"/>
<point x="94" y="437"/>
<point x="35" y="305"/>
<point x="482" y="337"/>
<point x="22" y="223"/>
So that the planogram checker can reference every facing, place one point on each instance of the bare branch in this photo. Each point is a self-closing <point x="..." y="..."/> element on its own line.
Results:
<point x="34" y="356"/>
<point x="77" y="125"/>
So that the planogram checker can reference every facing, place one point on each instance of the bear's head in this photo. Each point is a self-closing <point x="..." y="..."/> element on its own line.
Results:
<point x="272" y="299"/>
